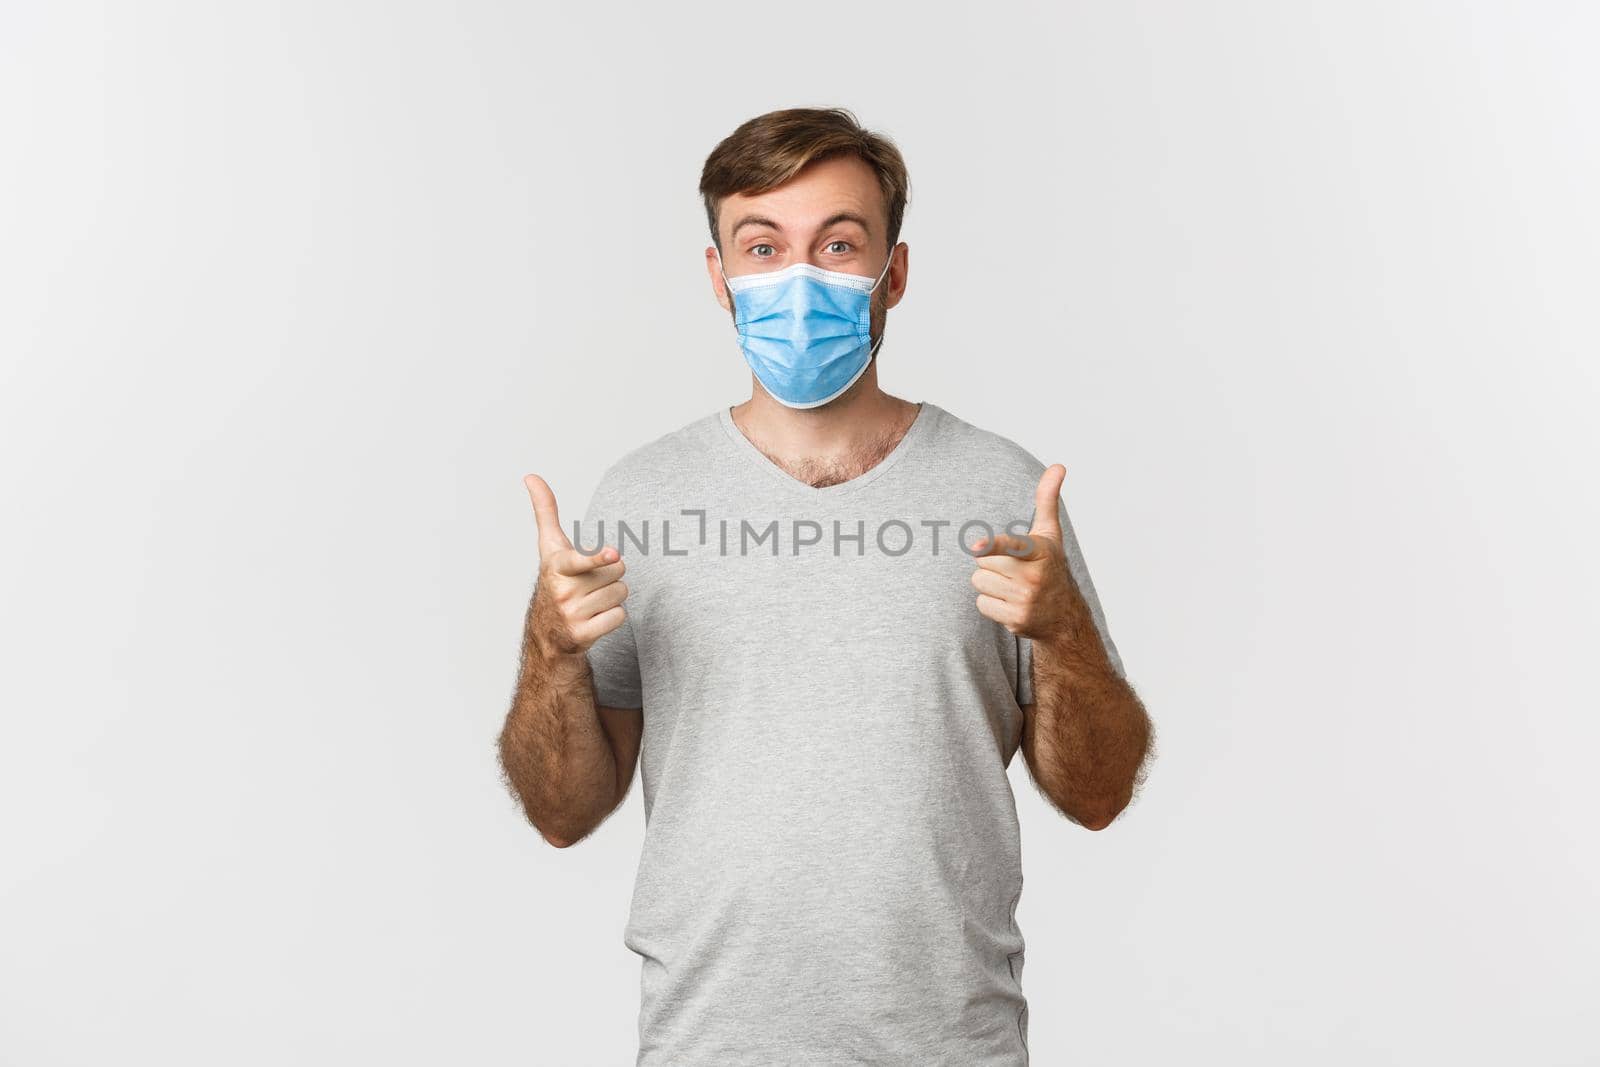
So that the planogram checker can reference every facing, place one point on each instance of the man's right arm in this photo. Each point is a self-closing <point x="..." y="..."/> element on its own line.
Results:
<point x="568" y="761"/>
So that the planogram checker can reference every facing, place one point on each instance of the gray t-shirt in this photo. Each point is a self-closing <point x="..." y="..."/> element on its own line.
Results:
<point x="831" y="863"/>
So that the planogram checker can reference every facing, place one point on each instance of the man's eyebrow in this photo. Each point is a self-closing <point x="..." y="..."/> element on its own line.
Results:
<point x="832" y="220"/>
<point x="753" y="220"/>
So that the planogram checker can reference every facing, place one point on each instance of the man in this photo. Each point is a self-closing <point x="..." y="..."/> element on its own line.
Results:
<point x="844" y="613"/>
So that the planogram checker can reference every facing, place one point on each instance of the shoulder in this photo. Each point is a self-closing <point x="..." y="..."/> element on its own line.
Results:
<point x="993" y="457"/>
<point x="660" y="462"/>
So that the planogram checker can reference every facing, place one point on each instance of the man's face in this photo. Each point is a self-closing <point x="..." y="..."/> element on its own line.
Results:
<point x="830" y="215"/>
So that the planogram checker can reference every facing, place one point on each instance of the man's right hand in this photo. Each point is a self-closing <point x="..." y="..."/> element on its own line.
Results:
<point x="579" y="598"/>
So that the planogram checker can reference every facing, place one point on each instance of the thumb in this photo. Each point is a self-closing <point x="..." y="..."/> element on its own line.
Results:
<point x="551" y="537"/>
<point x="1045" y="499"/>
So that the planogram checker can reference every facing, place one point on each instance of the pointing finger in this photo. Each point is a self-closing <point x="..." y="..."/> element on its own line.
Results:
<point x="569" y="561"/>
<point x="1017" y="546"/>
<point x="589" y="581"/>
<point x="604" y="574"/>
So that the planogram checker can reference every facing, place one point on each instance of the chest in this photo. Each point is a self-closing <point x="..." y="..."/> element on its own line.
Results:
<point x="790" y="609"/>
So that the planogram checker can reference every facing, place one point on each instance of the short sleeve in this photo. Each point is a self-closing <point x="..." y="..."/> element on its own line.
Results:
<point x="1080" y="574"/>
<point x="614" y="658"/>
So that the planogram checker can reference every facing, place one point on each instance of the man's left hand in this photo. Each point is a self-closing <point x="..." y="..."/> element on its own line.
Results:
<point x="1023" y="582"/>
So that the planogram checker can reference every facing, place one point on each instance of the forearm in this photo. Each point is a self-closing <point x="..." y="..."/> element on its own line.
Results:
<point x="555" y="752"/>
<point x="1086" y="734"/>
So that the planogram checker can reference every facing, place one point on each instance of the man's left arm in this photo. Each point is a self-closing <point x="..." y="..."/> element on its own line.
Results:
<point x="1086" y="734"/>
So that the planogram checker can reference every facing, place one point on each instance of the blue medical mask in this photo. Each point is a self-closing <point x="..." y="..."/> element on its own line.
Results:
<point x="806" y="332"/>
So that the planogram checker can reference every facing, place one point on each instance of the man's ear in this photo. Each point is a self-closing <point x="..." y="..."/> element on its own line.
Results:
<point x="891" y="297"/>
<point x="719" y="284"/>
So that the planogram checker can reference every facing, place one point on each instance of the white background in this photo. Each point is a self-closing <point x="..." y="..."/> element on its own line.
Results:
<point x="292" y="296"/>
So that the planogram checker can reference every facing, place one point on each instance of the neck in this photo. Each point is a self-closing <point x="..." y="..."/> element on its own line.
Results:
<point x="827" y="444"/>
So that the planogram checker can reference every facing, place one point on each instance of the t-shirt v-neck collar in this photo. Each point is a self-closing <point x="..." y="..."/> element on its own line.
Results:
<point x="926" y="414"/>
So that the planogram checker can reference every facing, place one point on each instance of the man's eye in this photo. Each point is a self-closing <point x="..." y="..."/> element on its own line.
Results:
<point x="757" y="251"/>
<point x="845" y="243"/>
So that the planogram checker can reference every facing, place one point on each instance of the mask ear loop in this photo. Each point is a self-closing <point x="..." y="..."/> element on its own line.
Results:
<point x="732" y="296"/>
<point x="881" y="276"/>
<point x="885" y="269"/>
